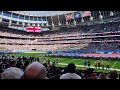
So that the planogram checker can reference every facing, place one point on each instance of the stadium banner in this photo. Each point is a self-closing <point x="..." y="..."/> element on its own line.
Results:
<point x="24" y="28"/>
<point x="33" y="29"/>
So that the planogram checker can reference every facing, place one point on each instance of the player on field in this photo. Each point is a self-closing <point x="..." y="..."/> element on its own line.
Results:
<point x="102" y="64"/>
<point x="107" y="65"/>
<point x="96" y="64"/>
<point x="85" y="63"/>
<point x="88" y="64"/>
<point x="99" y="64"/>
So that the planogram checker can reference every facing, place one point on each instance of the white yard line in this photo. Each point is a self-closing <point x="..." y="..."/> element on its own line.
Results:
<point x="114" y="64"/>
<point x="90" y="66"/>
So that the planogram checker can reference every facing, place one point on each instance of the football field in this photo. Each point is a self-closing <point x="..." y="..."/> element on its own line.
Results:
<point x="79" y="62"/>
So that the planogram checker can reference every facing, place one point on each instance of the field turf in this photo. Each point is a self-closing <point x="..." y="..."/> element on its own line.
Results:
<point x="63" y="61"/>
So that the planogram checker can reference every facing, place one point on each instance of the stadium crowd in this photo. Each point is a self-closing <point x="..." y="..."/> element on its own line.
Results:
<point x="58" y="39"/>
<point x="15" y="67"/>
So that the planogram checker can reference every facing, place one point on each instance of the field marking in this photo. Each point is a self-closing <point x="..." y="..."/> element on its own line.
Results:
<point x="114" y="64"/>
<point x="81" y="62"/>
<point x="90" y="66"/>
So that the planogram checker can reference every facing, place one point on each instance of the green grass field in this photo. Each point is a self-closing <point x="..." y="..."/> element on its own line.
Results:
<point x="63" y="61"/>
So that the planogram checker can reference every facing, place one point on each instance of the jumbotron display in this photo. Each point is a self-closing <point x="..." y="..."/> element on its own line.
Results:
<point x="60" y="44"/>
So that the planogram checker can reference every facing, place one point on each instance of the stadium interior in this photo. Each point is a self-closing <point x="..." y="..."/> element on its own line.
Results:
<point x="67" y="44"/>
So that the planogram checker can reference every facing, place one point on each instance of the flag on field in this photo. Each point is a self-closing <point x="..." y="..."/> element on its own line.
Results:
<point x="86" y="13"/>
<point x="69" y="16"/>
<point x="33" y="29"/>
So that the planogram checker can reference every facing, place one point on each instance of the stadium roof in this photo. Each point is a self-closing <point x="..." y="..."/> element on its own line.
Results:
<point x="41" y="13"/>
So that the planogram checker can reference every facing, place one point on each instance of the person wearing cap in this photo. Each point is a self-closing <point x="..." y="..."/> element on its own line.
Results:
<point x="12" y="73"/>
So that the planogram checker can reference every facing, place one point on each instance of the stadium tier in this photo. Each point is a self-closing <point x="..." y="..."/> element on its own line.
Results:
<point x="57" y="39"/>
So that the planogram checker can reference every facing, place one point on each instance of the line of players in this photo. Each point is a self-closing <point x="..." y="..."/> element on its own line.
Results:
<point x="98" y="64"/>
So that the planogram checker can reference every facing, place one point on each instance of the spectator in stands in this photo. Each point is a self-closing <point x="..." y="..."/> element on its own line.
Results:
<point x="57" y="74"/>
<point x="35" y="71"/>
<point x="113" y="74"/>
<point x="13" y="63"/>
<point x="27" y="62"/>
<point x="71" y="69"/>
<point x="108" y="76"/>
<point x="4" y="64"/>
<point x="12" y="73"/>
<point x="90" y="74"/>
<point x="19" y="64"/>
<point x="102" y="76"/>
<point x="99" y="64"/>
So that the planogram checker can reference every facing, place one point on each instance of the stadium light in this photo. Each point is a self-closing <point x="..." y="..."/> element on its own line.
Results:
<point x="59" y="24"/>
<point x="53" y="25"/>
<point x="28" y="24"/>
<point x="38" y="24"/>
<point x="74" y="22"/>
<point x="111" y="13"/>
<point x="23" y="24"/>
<point x="91" y="18"/>
<point x="82" y="20"/>
<point x="33" y="24"/>
<point x="100" y="15"/>
<point x="10" y="22"/>
<point x="66" y="23"/>
<point x="17" y="23"/>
